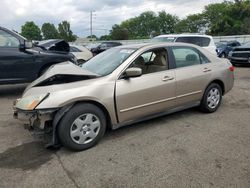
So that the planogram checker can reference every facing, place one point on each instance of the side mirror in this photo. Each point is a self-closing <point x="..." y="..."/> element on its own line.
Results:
<point x="28" y="44"/>
<point x="133" y="72"/>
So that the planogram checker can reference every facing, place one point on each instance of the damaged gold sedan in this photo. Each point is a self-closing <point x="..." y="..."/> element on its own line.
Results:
<point x="121" y="86"/>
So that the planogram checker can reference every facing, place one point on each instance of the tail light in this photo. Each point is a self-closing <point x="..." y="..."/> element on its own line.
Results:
<point x="231" y="68"/>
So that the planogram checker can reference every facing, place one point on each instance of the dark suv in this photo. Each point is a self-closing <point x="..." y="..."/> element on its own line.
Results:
<point x="224" y="47"/>
<point x="21" y="62"/>
<point x="104" y="46"/>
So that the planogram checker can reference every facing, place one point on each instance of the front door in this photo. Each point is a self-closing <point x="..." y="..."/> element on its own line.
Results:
<point x="151" y="93"/>
<point x="15" y="65"/>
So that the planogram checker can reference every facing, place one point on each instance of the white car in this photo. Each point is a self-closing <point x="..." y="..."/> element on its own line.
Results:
<point x="81" y="53"/>
<point x="204" y="41"/>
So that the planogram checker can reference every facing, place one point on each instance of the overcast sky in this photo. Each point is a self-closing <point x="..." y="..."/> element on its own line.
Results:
<point x="14" y="13"/>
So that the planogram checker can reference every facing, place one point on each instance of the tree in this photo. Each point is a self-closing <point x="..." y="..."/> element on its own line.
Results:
<point x="93" y="36"/>
<point x="65" y="32"/>
<point x="119" y="33"/>
<point x="192" y="24"/>
<point x="49" y="31"/>
<point x="167" y="22"/>
<point x="31" y="31"/>
<point x="228" y="18"/>
<point x="105" y="37"/>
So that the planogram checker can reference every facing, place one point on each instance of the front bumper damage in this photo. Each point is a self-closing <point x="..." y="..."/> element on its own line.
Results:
<point x="38" y="122"/>
<point x="36" y="119"/>
<point x="45" y="121"/>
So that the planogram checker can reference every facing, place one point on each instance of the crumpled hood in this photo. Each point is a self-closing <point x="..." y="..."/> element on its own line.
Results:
<point x="66" y="68"/>
<point x="57" y="45"/>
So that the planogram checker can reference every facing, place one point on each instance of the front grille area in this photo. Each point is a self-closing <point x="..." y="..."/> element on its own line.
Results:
<point x="242" y="54"/>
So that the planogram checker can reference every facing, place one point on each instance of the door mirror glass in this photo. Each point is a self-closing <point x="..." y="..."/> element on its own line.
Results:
<point x="28" y="44"/>
<point x="133" y="72"/>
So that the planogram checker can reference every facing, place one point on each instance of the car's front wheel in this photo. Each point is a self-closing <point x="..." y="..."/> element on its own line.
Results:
<point x="212" y="98"/>
<point x="82" y="127"/>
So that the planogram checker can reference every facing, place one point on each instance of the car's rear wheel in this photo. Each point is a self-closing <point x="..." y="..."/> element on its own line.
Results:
<point x="82" y="127"/>
<point x="212" y="98"/>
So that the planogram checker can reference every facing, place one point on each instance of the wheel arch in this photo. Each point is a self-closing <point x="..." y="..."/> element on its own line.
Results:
<point x="220" y="83"/>
<point x="96" y="103"/>
<point x="55" y="142"/>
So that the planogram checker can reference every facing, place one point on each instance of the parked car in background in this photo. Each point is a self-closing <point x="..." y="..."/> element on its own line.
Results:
<point x="104" y="46"/>
<point x="224" y="47"/>
<point x="204" y="41"/>
<point x="81" y="53"/>
<point x="92" y="45"/>
<point x="240" y="55"/>
<point x="121" y="86"/>
<point x="21" y="61"/>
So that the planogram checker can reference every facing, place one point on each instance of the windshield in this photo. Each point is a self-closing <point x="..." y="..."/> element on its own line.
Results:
<point x="163" y="39"/>
<point x="107" y="61"/>
<point x="220" y="45"/>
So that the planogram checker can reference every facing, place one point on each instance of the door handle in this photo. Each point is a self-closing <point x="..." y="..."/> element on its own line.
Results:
<point x="167" y="78"/>
<point x="207" y="70"/>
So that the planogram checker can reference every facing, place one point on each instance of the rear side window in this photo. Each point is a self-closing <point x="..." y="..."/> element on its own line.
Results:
<point x="188" y="56"/>
<point x="200" y="41"/>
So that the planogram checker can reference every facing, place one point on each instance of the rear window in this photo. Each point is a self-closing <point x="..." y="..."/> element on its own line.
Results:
<point x="200" y="41"/>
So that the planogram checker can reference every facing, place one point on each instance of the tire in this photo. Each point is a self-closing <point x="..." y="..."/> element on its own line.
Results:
<point x="82" y="127"/>
<point x="211" y="99"/>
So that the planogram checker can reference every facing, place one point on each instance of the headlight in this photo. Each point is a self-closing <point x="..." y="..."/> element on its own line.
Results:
<point x="31" y="102"/>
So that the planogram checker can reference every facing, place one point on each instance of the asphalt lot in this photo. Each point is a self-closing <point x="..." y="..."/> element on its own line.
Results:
<point x="185" y="149"/>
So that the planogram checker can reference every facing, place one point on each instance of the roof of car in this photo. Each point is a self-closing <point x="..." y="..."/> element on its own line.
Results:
<point x="184" y="35"/>
<point x="159" y="44"/>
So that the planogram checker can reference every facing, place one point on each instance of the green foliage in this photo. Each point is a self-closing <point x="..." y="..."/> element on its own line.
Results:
<point x="65" y="32"/>
<point x="145" y="25"/>
<point x="105" y="37"/>
<point x="31" y="31"/>
<point x="226" y="18"/>
<point x="49" y="31"/>
<point x="119" y="33"/>
<point x="192" y="24"/>
<point x="93" y="36"/>
<point x="167" y="22"/>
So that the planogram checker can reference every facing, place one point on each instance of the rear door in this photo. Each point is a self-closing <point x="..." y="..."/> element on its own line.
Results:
<point x="152" y="92"/>
<point x="15" y="65"/>
<point x="193" y="72"/>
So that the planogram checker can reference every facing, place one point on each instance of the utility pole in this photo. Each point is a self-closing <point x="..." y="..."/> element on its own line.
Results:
<point x="91" y="29"/>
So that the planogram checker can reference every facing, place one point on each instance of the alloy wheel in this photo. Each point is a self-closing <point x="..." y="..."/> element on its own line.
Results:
<point x="213" y="98"/>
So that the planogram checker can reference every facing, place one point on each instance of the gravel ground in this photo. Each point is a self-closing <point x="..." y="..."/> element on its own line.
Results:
<point x="185" y="149"/>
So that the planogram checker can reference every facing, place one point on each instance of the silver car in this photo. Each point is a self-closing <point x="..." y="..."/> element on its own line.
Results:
<point x="121" y="86"/>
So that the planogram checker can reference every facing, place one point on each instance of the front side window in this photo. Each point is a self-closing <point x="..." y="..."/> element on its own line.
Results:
<point x="152" y="61"/>
<point x="187" y="56"/>
<point x="199" y="41"/>
<point x="7" y="40"/>
<point x="107" y="61"/>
